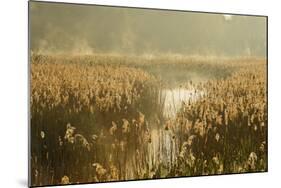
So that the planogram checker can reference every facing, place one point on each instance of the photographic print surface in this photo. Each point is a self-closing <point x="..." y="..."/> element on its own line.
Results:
<point x="120" y="94"/>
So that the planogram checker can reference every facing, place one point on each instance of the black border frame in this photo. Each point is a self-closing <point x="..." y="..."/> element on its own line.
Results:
<point x="143" y="8"/>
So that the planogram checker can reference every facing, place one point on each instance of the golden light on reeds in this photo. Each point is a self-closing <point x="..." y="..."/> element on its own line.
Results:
<point x="101" y="118"/>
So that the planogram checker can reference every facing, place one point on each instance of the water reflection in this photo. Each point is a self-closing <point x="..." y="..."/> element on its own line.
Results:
<point x="174" y="97"/>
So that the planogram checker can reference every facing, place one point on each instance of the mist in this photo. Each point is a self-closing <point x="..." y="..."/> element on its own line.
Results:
<point x="68" y="28"/>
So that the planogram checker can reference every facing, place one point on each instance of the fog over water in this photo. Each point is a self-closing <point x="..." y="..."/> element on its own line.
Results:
<point x="67" y="28"/>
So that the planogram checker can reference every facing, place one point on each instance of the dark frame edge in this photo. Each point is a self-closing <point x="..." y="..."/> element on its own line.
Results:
<point x="29" y="183"/>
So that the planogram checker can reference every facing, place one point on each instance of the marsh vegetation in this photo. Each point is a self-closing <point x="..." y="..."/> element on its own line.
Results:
<point x="98" y="118"/>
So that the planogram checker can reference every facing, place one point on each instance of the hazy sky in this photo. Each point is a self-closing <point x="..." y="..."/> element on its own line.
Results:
<point x="56" y="28"/>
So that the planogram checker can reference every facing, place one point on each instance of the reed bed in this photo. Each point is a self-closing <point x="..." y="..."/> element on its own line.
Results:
<point x="101" y="118"/>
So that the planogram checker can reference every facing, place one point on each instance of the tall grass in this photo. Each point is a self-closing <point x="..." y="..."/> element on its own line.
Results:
<point x="101" y="118"/>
